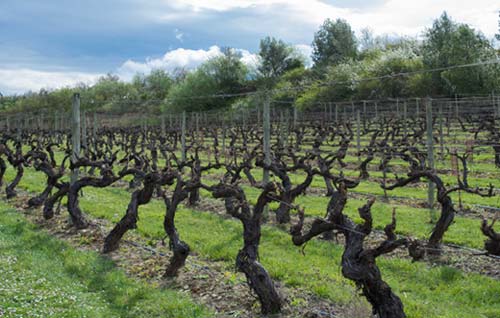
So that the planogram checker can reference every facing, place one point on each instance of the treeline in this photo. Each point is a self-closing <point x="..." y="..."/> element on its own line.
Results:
<point x="344" y="67"/>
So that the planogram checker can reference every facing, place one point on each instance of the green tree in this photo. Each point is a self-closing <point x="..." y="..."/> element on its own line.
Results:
<point x="227" y="70"/>
<point x="384" y="68"/>
<point x="221" y="75"/>
<point x="333" y="43"/>
<point x="111" y="94"/>
<point x="449" y="43"/>
<point x="152" y="89"/>
<point x="277" y="57"/>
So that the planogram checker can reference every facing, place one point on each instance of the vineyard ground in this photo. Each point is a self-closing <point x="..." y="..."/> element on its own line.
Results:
<point x="425" y="289"/>
<point x="43" y="276"/>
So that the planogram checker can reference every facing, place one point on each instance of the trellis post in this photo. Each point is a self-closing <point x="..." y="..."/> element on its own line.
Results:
<point x="358" y="135"/>
<point x="266" y="125"/>
<point x="183" y="136"/>
<point x="75" y="134"/>
<point x="430" y="154"/>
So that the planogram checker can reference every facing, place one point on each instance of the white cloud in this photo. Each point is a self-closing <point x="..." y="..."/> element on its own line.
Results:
<point x="411" y="17"/>
<point x="249" y="59"/>
<point x="21" y="80"/>
<point x="220" y="5"/>
<point x="178" y="58"/>
<point x="286" y="18"/>
<point x="244" y="22"/>
<point x="18" y="81"/>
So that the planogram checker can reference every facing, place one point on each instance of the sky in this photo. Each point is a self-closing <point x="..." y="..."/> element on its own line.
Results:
<point x="54" y="43"/>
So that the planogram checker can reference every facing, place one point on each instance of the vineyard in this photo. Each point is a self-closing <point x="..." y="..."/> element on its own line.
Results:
<point x="341" y="210"/>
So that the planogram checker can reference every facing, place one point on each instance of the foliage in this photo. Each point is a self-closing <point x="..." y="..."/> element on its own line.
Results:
<point x="44" y="277"/>
<point x="277" y="58"/>
<point x="221" y="75"/>
<point x="449" y="43"/>
<point x="392" y="63"/>
<point x="334" y="43"/>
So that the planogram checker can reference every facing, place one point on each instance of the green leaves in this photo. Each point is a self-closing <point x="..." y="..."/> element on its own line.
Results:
<point x="334" y="43"/>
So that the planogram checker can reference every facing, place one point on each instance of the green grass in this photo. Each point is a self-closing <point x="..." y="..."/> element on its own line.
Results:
<point x="44" y="277"/>
<point x="411" y="221"/>
<point x="426" y="291"/>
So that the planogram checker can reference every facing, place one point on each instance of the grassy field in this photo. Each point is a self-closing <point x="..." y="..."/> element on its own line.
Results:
<point x="426" y="291"/>
<point x="43" y="277"/>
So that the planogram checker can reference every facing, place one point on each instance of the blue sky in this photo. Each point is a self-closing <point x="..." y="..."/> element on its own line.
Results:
<point x="53" y="43"/>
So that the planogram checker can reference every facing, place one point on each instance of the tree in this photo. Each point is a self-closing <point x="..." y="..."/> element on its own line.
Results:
<point x="221" y="75"/>
<point x="227" y="70"/>
<point x="333" y="43"/>
<point x="157" y="84"/>
<point x="277" y="58"/>
<point x="448" y="43"/>
<point x="389" y="62"/>
<point x="111" y="94"/>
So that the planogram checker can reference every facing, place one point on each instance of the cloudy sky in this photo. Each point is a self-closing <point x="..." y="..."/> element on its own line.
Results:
<point x="53" y="43"/>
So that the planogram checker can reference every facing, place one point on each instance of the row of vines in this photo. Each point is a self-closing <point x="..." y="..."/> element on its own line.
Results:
<point x="163" y="162"/>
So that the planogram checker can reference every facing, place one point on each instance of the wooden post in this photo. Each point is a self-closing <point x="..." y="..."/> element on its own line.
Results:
<point x="266" y="125"/>
<point x="94" y="131"/>
<point x="41" y="122"/>
<point x="61" y="118"/>
<point x="397" y="107"/>
<point x="376" y="109"/>
<point x="183" y="136"/>
<point x="294" y="117"/>
<point x="498" y="105"/>
<point x="330" y="113"/>
<point x="287" y="127"/>
<point x="336" y="113"/>
<point x="284" y="129"/>
<point x="75" y="134"/>
<point x="197" y="122"/>
<point x="84" y="129"/>
<point x="224" y="139"/>
<point x="441" y="138"/>
<point x="448" y="119"/>
<point x="19" y="126"/>
<point x="358" y="134"/>
<point x="430" y="154"/>
<point x="456" y="107"/>
<point x="324" y="117"/>
<point x="493" y="103"/>
<point x="417" y="106"/>
<point x="163" y="128"/>
<point x="405" y="125"/>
